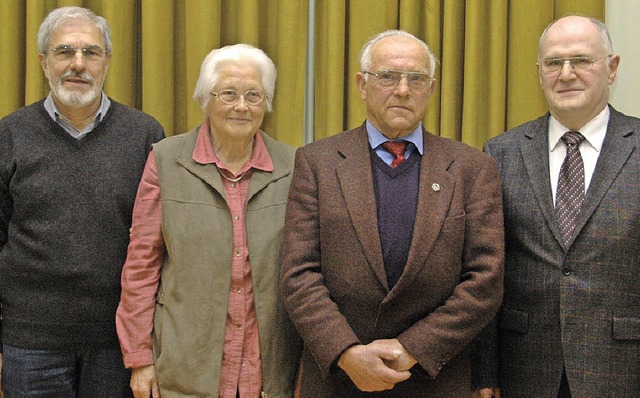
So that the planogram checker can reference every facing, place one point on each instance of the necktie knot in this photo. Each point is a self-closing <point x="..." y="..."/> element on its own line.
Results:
<point x="397" y="149"/>
<point x="571" y="138"/>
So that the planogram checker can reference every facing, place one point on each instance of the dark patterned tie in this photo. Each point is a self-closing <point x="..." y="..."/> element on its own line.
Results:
<point x="396" y="148"/>
<point x="570" y="194"/>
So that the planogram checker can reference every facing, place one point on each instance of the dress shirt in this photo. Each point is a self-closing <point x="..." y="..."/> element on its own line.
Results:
<point x="52" y="110"/>
<point x="376" y="139"/>
<point x="241" y="363"/>
<point x="594" y="132"/>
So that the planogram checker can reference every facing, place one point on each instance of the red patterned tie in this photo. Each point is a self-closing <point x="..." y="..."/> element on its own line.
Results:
<point x="396" y="148"/>
<point x="570" y="194"/>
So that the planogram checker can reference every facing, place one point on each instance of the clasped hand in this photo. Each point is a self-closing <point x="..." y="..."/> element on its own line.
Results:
<point x="377" y="366"/>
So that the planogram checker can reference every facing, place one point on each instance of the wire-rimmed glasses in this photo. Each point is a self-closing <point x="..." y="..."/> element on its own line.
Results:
<point x="391" y="78"/>
<point x="552" y="66"/>
<point x="65" y="53"/>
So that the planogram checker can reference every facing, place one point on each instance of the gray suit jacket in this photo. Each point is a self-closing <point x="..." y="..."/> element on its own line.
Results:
<point x="333" y="278"/>
<point x="576" y="307"/>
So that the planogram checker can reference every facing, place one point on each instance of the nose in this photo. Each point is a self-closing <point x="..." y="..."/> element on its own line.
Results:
<point x="567" y="72"/>
<point x="403" y="87"/>
<point x="241" y="104"/>
<point x="78" y="61"/>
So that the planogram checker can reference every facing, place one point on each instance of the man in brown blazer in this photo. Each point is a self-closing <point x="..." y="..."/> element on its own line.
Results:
<point x="570" y="322"/>
<point x="392" y="262"/>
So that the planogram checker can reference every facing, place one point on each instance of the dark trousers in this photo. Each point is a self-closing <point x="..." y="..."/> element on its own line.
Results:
<point x="95" y="373"/>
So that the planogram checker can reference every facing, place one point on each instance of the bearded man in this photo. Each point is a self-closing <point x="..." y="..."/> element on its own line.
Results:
<point x="70" y="165"/>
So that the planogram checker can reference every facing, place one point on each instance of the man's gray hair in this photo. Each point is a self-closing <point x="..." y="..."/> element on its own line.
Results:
<point x="61" y="16"/>
<point x="600" y="26"/>
<point x="365" y="53"/>
<point x="237" y="54"/>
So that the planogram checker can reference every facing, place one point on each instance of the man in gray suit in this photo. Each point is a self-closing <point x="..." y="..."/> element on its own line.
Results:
<point x="569" y="325"/>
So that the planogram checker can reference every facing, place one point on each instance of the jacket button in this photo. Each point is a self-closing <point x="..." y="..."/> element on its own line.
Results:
<point x="566" y="271"/>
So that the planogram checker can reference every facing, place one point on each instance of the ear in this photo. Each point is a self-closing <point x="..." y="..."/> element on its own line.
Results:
<point x="362" y="85"/>
<point x="540" y="77"/>
<point x="43" y="64"/>
<point x="614" y="62"/>
<point x="432" y="87"/>
<point x="107" y="61"/>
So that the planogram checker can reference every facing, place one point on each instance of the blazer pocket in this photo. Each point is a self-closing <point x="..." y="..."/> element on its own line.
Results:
<point x="514" y="320"/>
<point x="626" y="328"/>
<point x="454" y="223"/>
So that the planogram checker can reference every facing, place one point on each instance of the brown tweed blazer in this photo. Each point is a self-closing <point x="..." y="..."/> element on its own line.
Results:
<point x="333" y="282"/>
<point x="576" y="307"/>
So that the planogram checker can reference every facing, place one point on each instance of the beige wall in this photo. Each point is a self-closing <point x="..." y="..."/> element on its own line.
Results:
<point x="623" y="21"/>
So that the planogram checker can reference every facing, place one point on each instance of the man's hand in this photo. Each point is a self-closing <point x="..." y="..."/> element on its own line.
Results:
<point x="486" y="393"/>
<point x="144" y="382"/>
<point x="403" y="361"/>
<point x="364" y="364"/>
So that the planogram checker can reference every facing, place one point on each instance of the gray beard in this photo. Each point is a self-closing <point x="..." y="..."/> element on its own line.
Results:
<point x="73" y="98"/>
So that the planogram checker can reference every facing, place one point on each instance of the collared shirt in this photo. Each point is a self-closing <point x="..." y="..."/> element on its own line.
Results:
<point x="376" y="139"/>
<point x="52" y="110"/>
<point x="241" y="370"/>
<point x="594" y="133"/>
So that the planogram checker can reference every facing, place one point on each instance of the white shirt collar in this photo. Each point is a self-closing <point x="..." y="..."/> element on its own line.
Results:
<point x="594" y="131"/>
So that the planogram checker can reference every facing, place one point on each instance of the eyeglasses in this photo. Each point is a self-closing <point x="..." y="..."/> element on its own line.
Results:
<point x="231" y="97"/>
<point x="65" y="53"/>
<point x="391" y="79"/>
<point x="552" y="66"/>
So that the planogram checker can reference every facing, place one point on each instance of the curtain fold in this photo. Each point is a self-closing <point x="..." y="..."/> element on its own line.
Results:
<point x="486" y="81"/>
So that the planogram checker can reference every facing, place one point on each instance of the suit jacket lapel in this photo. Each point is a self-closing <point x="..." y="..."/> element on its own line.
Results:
<point x="356" y="182"/>
<point x="616" y="149"/>
<point x="535" y="155"/>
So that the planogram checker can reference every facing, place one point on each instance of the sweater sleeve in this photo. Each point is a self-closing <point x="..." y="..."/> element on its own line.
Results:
<point x="141" y="272"/>
<point x="6" y="202"/>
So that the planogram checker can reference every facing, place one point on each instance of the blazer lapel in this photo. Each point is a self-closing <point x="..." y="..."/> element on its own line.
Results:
<point x="535" y="155"/>
<point x="356" y="183"/>
<point x="616" y="149"/>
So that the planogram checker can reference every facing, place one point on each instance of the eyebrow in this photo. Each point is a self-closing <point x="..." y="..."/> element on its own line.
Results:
<point x="72" y="46"/>
<point x="572" y="56"/>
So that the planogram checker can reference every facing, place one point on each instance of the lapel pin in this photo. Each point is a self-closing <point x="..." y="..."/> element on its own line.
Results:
<point x="435" y="186"/>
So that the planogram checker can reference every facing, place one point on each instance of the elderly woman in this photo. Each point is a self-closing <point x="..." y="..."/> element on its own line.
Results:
<point x="199" y="313"/>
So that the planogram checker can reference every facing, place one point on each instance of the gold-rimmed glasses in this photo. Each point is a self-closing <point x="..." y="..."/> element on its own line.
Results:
<point x="231" y="97"/>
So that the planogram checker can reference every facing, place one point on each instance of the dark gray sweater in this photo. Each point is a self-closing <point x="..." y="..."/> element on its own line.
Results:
<point x="65" y="214"/>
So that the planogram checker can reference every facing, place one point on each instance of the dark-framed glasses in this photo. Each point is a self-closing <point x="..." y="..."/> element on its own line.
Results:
<point x="231" y="97"/>
<point x="65" y="53"/>
<point x="391" y="79"/>
<point x="551" y="66"/>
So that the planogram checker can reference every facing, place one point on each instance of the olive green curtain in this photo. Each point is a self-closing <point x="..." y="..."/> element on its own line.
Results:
<point x="486" y="83"/>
